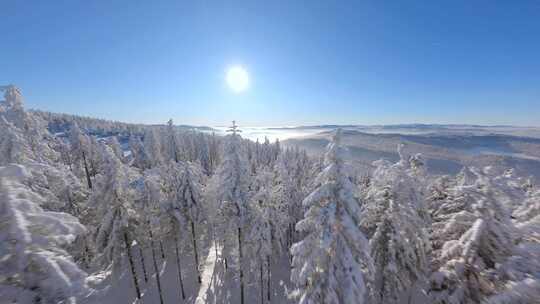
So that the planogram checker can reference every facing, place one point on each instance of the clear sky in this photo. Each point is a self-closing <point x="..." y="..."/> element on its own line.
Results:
<point x="310" y="62"/>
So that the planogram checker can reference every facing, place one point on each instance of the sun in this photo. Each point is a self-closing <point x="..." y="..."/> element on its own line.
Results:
<point x="237" y="79"/>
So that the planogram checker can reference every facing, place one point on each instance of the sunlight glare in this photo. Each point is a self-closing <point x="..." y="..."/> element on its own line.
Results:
<point x="237" y="79"/>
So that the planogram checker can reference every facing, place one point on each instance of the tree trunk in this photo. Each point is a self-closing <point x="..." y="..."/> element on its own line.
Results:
<point x="289" y="236"/>
<point x="195" y="253"/>
<point x="134" y="274"/>
<point x="240" y="265"/>
<point x="86" y="254"/>
<point x="179" y="267"/>
<point x="88" y="179"/>
<point x="161" y="249"/>
<point x="261" y="281"/>
<point x="268" y="277"/>
<point x="291" y="228"/>
<point x="156" y="270"/>
<point x="142" y="263"/>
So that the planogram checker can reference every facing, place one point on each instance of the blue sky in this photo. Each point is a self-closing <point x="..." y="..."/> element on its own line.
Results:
<point x="310" y="62"/>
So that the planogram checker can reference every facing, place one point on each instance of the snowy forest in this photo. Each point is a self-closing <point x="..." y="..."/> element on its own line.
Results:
<point x="94" y="211"/>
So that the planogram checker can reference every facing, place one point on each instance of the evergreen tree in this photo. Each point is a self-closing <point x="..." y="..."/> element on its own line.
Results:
<point x="331" y="264"/>
<point x="230" y="190"/>
<point x="469" y="264"/>
<point x="399" y="243"/>
<point x="113" y="203"/>
<point x="184" y="205"/>
<point x="35" y="266"/>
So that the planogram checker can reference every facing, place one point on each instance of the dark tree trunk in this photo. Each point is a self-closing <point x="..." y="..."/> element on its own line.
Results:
<point x="88" y="179"/>
<point x="240" y="265"/>
<point x="195" y="252"/>
<point x="261" y="281"/>
<point x="161" y="249"/>
<point x="141" y="253"/>
<point x="291" y="228"/>
<point x="268" y="277"/>
<point x="130" y="258"/>
<point x="86" y="253"/>
<point x="179" y="267"/>
<point x="156" y="270"/>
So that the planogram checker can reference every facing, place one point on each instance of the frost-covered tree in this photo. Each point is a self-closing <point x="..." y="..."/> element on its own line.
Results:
<point x="138" y="154"/>
<point x="80" y="147"/>
<point x="23" y="137"/>
<point x="289" y="190"/>
<point x="112" y="200"/>
<point x="116" y="148"/>
<point x="152" y="146"/>
<point x="213" y="153"/>
<point x="35" y="267"/>
<point x="171" y="143"/>
<point x="13" y="146"/>
<point x="229" y="188"/>
<point x="183" y="184"/>
<point x="265" y="223"/>
<point x="150" y="228"/>
<point x="469" y="269"/>
<point x="331" y="263"/>
<point x="400" y="242"/>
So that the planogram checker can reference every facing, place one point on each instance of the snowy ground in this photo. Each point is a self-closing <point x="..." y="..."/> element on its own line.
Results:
<point x="206" y="290"/>
<point x="218" y="285"/>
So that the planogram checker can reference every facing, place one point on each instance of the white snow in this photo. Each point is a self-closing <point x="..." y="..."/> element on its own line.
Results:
<point x="209" y="269"/>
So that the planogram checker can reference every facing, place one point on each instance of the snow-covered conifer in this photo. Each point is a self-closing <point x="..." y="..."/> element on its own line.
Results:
<point x="116" y="148"/>
<point x="112" y="200"/>
<point x="152" y="146"/>
<point x="35" y="267"/>
<point x="138" y="154"/>
<point x="266" y="220"/>
<point x="229" y="188"/>
<point x="80" y="149"/>
<point x="330" y="263"/>
<point x="400" y="243"/>
<point x="183" y="184"/>
<point x="469" y="271"/>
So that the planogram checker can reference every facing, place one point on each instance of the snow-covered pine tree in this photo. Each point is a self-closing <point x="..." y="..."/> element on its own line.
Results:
<point x="13" y="146"/>
<point x="35" y="267"/>
<point x="151" y="229"/>
<point x="116" y="148"/>
<point x="112" y="199"/>
<point x="183" y="183"/>
<point x="171" y="142"/>
<point x="229" y="188"/>
<point x="213" y="153"/>
<point x="23" y="137"/>
<point x="289" y="190"/>
<point x="80" y="147"/>
<point x="152" y="146"/>
<point x="138" y="154"/>
<point x="399" y="243"/>
<point x="332" y="263"/>
<point x="469" y="271"/>
<point x="203" y="153"/>
<point x="265" y="220"/>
